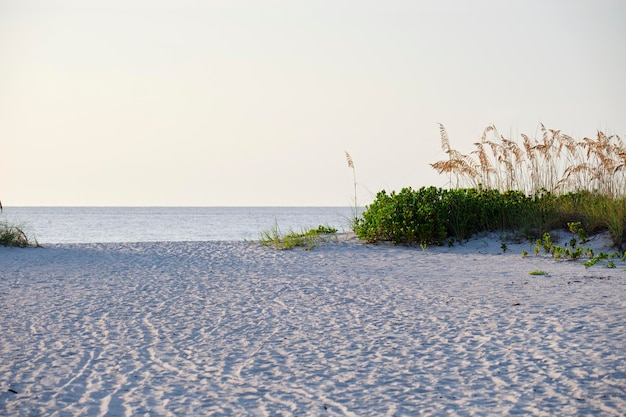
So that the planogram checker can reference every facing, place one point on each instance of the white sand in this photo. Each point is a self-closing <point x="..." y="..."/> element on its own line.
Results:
<point x="230" y="328"/>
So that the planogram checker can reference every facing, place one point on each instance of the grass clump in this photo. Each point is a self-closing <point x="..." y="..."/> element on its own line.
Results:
<point x="14" y="235"/>
<point x="307" y="239"/>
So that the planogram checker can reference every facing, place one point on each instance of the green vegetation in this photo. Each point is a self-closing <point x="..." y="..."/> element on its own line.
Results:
<point x="547" y="184"/>
<point x="572" y="251"/>
<point x="307" y="239"/>
<point x="436" y="215"/>
<point x="538" y="272"/>
<point x="13" y="235"/>
<point x="595" y="259"/>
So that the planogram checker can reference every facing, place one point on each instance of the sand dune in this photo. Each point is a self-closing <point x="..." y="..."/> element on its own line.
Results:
<point x="232" y="328"/>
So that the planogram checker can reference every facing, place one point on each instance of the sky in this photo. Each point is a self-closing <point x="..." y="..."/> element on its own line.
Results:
<point x="253" y="103"/>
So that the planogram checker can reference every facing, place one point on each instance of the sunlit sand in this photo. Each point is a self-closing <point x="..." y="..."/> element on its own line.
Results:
<point x="233" y="328"/>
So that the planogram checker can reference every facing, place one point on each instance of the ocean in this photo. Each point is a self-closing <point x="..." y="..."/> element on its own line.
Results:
<point x="149" y="224"/>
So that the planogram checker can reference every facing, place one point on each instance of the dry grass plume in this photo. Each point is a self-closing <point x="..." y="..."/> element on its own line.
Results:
<point x="555" y="162"/>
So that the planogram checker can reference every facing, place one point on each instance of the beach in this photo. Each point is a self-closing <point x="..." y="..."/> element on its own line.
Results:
<point x="345" y="329"/>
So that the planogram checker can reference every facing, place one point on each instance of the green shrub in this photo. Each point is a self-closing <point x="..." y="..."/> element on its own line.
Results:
<point x="406" y="217"/>
<point x="433" y="215"/>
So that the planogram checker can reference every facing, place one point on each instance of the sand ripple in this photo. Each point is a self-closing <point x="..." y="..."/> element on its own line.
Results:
<point x="229" y="328"/>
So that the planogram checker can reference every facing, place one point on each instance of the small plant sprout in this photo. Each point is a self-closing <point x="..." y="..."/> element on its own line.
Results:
<point x="577" y="229"/>
<point x="576" y="253"/>
<point x="547" y="242"/>
<point x="524" y="253"/>
<point x="596" y="259"/>
<point x="538" y="272"/>
<point x="504" y="247"/>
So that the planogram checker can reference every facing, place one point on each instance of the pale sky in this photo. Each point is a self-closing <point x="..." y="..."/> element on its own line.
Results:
<point x="243" y="102"/>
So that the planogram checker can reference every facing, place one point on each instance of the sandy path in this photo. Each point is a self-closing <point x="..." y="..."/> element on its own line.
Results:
<point x="229" y="328"/>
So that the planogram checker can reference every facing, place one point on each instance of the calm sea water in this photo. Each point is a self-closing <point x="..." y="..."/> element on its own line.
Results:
<point x="146" y="224"/>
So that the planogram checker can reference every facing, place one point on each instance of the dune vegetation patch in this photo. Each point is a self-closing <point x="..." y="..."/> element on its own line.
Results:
<point x="527" y="189"/>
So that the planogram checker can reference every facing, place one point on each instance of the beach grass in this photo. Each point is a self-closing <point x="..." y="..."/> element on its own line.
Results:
<point x="14" y="235"/>
<point x="555" y="162"/>
<point x="307" y="239"/>
<point x="354" y="220"/>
